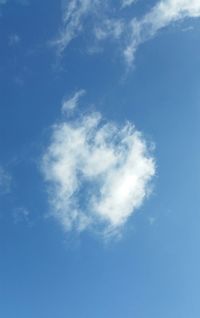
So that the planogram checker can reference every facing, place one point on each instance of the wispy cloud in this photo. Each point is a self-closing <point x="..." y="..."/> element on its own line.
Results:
<point x="74" y="14"/>
<point x="127" y="3"/>
<point x="160" y="16"/>
<point x="97" y="173"/>
<point x="21" y="215"/>
<point x="70" y="104"/>
<point x="112" y="28"/>
<point x="128" y="33"/>
<point x="5" y="181"/>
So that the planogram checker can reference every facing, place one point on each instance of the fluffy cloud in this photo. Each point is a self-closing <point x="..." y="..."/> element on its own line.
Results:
<point x="97" y="173"/>
<point x="70" y="104"/>
<point x="161" y="15"/>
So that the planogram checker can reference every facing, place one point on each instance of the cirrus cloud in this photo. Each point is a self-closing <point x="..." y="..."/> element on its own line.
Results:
<point x="129" y="33"/>
<point x="73" y="18"/>
<point x="160" y="16"/>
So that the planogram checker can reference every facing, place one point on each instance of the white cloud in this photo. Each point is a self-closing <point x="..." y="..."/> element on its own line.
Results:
<point x="5" y="181"/>
<point x="70" y="104"/>
<point x="127" y="3"/>
<point x="161" y="15"/>
<point x="130" y="33"/>
<point x="112" y="28"/>
<point x="97" y="173"/>
<point x="74" y="14"/>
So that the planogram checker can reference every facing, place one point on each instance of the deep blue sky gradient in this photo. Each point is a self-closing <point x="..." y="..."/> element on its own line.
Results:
<point x="154" y="270"/>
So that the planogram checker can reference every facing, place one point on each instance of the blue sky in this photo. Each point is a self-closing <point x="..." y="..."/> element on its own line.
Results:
<point x="99" y="160"/>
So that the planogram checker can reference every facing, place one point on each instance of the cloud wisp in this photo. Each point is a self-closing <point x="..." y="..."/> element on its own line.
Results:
<point x="5" y="181"/>
<point x="160" y="16"/>
<point x="127" y="3"/>
<point x="109" y="28"/>
<point x="70" y="104"/>
<point x="97" y="173"/>
<point x="74" y="14"/>
<point x="128" y="33"/>
<point x="21" y="215"/>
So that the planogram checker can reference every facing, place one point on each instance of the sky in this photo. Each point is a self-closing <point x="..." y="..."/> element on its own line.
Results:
<point x="99" y="158"/>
